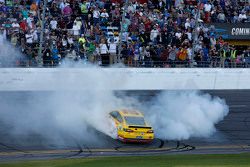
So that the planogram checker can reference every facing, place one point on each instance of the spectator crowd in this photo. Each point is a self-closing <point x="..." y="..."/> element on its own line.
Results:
<point x="139" y="33"/>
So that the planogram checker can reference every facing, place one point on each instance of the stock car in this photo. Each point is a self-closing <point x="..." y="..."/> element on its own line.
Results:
<point x="131" y="126"/>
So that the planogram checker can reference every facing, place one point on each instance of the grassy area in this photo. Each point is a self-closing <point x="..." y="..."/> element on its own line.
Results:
<point x="235" y="160"/>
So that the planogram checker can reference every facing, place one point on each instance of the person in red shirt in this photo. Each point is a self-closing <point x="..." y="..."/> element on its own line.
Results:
<point x="147" y="24"/>
<point x="221" y="41"/>
<point x="23" y="25"/>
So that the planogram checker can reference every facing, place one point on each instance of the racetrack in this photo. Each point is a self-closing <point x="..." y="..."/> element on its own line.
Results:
<point x="232" y="136"/>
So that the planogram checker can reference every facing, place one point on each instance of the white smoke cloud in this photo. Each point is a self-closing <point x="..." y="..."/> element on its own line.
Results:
<point x="8" y="54"/>
<point x="64" y="116"/>
<point x="183" y="114"/>
<point x="60" y="118"/>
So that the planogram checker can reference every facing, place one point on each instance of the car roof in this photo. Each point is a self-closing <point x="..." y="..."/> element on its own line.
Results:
<point x="130" y="113"/>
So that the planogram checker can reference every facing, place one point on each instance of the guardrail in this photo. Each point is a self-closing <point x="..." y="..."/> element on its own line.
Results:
<point x="132" y="63"/>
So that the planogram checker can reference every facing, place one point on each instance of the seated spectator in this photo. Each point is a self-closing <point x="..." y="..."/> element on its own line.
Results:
<point x="221" y="17"/>
<point x="67" y="11"/>
<point x="145" y="33"/>
<point x="242" y="17"/>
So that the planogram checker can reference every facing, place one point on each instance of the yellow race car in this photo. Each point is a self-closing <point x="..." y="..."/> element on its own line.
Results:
<point x="131" y="126"/>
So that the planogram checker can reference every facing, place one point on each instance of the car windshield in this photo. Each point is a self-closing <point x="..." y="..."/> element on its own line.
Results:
<point x="135" y="121"/>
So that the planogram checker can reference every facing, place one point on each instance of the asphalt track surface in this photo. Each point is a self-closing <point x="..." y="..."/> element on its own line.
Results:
<point x="232" y="136"/>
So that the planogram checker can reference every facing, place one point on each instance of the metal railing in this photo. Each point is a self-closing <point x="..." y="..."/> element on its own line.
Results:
<point x="127" y="63"/>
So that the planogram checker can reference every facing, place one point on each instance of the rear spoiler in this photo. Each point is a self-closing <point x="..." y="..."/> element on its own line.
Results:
<point x="145" y="127"/>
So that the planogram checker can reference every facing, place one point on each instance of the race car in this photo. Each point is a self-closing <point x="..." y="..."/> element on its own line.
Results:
<point x="131" y="126"/>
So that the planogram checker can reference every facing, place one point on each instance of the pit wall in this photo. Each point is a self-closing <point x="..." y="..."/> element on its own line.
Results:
<point x="46" y="79"/>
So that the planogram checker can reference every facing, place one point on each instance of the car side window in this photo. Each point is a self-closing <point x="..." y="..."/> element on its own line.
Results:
<point x="114" y="114"/>
<point x="119" y="117"/>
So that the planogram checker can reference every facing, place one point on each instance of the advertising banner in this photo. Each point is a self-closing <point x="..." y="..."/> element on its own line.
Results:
<point x="239" y="31"/>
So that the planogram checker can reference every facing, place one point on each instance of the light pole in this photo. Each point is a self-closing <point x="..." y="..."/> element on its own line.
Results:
<point x="195" y="32"/>
<point x="122" y="30"/>
<point x="41" y="42"/>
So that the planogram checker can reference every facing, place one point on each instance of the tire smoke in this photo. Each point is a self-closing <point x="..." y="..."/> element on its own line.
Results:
<point x="183" y="114"/>
<point x="63" y="117"/>
<point x="9" y="54"/>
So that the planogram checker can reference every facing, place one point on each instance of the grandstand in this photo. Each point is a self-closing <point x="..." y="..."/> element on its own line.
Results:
<point x="138" y="33"/>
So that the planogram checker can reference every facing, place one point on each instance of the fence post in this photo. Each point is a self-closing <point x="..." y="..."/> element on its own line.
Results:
<point x="41" y="42"/>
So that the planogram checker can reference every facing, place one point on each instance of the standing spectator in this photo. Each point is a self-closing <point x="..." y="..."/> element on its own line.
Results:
<point x="30" y="21"/>
<point x="82" y="41"/>
<point x="23" y="25"/>
<point x="233" y="53"/>
<point x="214" y="57"/>
<point x="104" y="51"/>
<point x="76" y="29"/>
<point x="97" y="33"/>
<point x="84" y="10"/>
<point x="213" y="40"/>
<point x="198" y="59"/>
<point x="136" y="55"/>
<point x="47" y="57"/>
<point x="205" y="57"/>
<point x="82" y="52"/>
<point x="112" y="51"/>
<point x="147" y="57"/>
<point x="225" y="56"/>
<point x="24" y="12"/>
<point x="178" y="3"/>
<point x="153" y="34"/>
<point x="61" y="5"/>
<point x="90" y="51"/>
<point x="55" y="55"/>
<point x="183" y="54"/>
<point x="53" y="24"/>
<point x="187" y="24"/>
<point x="67" y="11"/>
<point x="172" y="55"/>
<point x="14" y="39"/>
<point x="70" y="41"/>
<point x="104" y="17"/>
<point x="96" y="15"/>
<point x="190" y="53"/>
<point x="29" y="39"/>
<point x="130" y="55"/>
<point x="124" y="54"/>
<point x="15" y="26"/>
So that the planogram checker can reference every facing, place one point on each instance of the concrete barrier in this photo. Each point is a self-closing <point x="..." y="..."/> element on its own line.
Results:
<point x="25" y="79"/>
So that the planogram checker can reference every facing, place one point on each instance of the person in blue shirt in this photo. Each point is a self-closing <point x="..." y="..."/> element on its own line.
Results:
<point x="205" y="55"/>
<point x="55" y="56"/>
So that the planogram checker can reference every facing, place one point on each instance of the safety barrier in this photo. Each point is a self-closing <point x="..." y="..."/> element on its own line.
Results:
<point x="133" y="63"/>
<point x="39" y="79"/>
